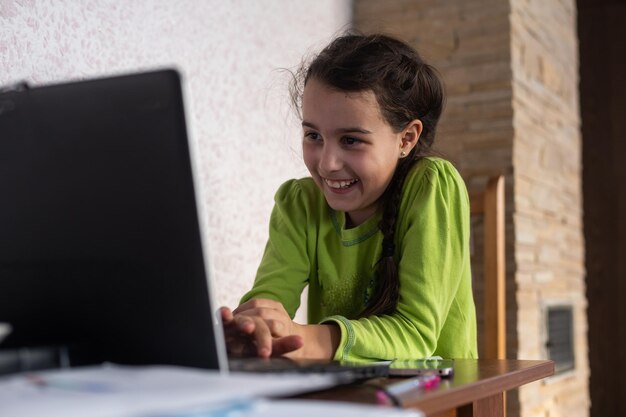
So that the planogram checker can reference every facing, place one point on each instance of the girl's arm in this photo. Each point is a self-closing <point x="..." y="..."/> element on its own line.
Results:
<point x="262" y="325"/>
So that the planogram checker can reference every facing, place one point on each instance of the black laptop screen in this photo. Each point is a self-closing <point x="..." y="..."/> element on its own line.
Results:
<point x="100" y="248"/>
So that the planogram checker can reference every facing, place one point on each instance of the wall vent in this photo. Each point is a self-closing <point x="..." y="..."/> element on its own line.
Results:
<point x="560" y="343"/>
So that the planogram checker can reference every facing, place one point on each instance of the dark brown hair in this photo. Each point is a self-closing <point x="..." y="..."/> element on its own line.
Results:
<point x="406" y="89"/>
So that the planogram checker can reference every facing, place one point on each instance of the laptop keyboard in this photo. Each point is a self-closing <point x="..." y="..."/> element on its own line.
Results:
<point x="285" y="365"/>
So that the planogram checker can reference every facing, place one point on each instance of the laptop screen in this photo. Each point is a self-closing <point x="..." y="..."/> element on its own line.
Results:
<point x="100" y="248"/>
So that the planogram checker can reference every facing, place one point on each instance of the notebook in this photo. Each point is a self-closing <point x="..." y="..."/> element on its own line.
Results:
<point x="101" y="250"/>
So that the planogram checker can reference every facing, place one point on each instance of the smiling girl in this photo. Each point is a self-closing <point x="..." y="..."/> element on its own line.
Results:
<point x="379" y="232"/>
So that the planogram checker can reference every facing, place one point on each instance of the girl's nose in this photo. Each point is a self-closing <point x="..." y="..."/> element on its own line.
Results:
<point x="330" y="159"/>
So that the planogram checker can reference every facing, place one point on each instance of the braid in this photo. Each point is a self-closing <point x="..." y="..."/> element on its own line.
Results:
<point x="385" y="298"/>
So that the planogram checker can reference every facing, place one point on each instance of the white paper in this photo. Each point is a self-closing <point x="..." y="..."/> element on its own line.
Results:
<point x="124" y="391"/>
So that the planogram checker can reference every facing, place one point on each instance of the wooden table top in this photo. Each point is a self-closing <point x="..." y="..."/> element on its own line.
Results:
<point x="473" y="379"/>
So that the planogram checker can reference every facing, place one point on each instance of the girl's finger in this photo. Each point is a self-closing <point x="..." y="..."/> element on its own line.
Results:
<point x="258" y="330"/>
<point x="283" y="345"/>
<point x="226" y="314"/>
<point x="263" y="338"/>
<point x="244" y="324"/>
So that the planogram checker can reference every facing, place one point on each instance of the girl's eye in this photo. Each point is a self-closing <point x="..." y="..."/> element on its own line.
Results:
<point x="351" y="141"/>
<point x="312" y="136"/>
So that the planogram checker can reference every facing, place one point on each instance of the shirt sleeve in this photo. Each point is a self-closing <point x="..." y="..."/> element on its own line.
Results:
<point x="432" y="244"/>
<point x="284" y="269"/>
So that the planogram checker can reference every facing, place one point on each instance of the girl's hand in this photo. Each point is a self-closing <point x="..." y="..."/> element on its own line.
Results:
<point x="260" y="328"/>
<point x="263" y="328"/>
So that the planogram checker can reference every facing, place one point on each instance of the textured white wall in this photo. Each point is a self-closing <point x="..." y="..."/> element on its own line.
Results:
<point x="238" y="109"/>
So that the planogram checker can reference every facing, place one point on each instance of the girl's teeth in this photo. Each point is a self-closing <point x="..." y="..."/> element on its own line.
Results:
<point x="340" y="184"/>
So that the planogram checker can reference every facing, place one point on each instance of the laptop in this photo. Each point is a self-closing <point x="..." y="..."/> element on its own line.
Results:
<point x="101" y="250"/>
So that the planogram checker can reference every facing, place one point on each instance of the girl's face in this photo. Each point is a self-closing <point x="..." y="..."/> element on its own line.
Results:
<point x="349" y="149"/>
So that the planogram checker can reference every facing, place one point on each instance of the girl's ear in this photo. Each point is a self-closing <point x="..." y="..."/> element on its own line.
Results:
<point x="410" y="137"/>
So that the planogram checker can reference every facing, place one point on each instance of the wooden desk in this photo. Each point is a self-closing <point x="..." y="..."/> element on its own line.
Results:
<point x="477" y="388"/>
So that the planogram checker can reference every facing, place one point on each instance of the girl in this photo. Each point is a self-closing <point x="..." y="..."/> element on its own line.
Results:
<point x="379" y="232"/>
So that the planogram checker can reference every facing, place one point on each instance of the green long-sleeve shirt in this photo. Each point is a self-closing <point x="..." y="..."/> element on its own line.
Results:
<point x="309" y="244"/>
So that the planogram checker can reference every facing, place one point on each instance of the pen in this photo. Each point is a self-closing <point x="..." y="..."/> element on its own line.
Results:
<point x="391" y="394"/>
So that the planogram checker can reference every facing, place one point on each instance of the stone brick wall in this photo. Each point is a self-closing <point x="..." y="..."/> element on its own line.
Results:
<point x="549" y="245"/>
<point x="510" y="68"/>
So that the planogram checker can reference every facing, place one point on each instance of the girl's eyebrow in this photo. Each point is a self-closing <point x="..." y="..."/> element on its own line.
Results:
<point x="341" y="129"/>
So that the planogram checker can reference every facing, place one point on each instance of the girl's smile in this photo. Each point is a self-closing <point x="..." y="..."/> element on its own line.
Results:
<point x="339" y="185"/>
